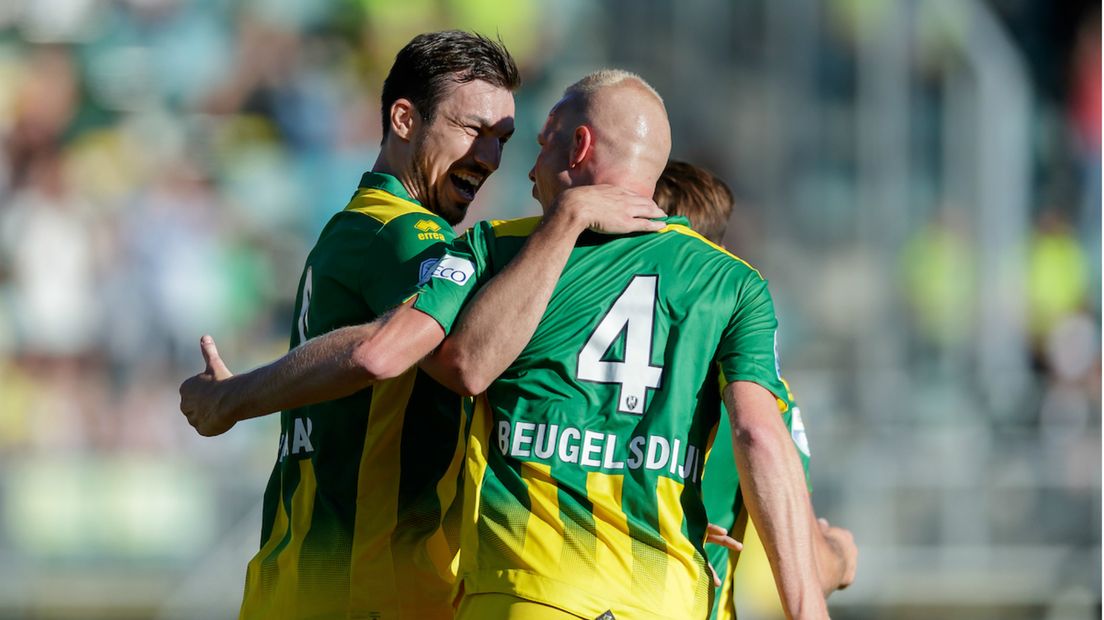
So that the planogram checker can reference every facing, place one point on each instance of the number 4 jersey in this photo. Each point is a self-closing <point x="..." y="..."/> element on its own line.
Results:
<point x="584" y="463"/>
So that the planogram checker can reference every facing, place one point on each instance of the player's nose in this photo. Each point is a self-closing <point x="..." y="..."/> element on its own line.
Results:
<point x="488" y="153"/>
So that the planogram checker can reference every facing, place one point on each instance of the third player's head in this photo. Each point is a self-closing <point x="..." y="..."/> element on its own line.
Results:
<point x="609" y="127"/>
<point x="448" y="109"/>
<point x="698" y="195"/>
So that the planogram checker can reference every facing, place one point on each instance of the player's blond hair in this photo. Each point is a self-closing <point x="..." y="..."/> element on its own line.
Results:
<point x="593" y="82"/>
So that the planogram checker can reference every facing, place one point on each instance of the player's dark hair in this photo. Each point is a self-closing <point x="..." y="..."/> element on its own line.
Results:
<point x="425" y="66"/>
<point x="696" y="194"/>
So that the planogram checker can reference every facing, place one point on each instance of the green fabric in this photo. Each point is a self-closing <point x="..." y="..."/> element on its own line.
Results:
<point x="388" y="183"/>
<point x="368" y="259"/>
<point x="706" y="310"/>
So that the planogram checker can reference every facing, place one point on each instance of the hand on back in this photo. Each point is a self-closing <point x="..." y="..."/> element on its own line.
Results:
<point x="608" y="209"/>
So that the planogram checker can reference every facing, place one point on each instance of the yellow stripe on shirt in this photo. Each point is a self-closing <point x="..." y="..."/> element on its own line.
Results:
<point x="383" y="206"/>
<point x="544" y="530"/>
<point x="372" y="567"/>
<point x="684" y="573"/>
<point x="683" y="230"/>
<point x="614" y="549"/>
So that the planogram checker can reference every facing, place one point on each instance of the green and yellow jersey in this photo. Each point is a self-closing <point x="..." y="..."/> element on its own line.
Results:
<point x="746" y="574"/>
<point x="584" y="462"/>
<point x="356" y="513"/>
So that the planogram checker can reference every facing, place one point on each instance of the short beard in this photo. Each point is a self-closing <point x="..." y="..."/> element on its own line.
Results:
<point x="424" y="190"/>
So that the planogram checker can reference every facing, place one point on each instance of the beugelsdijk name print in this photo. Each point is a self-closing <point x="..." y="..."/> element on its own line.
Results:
<point x="599" y="451"/>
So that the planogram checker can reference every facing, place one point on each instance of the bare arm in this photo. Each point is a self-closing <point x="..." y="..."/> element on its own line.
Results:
<point x="330" y="366"/>
<point x="501" y="318"/>
<point x="776" y="497"/>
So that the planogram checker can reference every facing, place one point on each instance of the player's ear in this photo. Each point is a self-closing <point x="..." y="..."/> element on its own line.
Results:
<point x="582" y="146"/>
<point x="404" y="118"/>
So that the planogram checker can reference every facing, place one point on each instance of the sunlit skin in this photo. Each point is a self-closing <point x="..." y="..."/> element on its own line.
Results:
<point x="591" y="140"/>
<point x="443" y="164"/>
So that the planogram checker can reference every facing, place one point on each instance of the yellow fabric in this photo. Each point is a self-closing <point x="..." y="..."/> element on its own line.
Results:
<point x="682" y="557"/>
<point x="689" y="232"/>
<point x="496" y="606"/>
<point x="382" y="206"/>
<point x="288" y="601"/>
<point x="648" y="596"/>
<point x="544" y="536"/>
<point x="389" y="582"/>
<point x="521" y="227"/>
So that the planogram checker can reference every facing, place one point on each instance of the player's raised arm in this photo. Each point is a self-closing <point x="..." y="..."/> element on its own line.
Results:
<point x="777" y="500"/>
<point x="328" y="367"/>
<point x="495" y="326"/>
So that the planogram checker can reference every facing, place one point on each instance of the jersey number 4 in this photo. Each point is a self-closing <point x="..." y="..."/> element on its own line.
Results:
<point x="634" y="315"/>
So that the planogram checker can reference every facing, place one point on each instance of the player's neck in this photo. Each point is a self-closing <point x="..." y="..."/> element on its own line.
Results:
<point x="387" y="163"/>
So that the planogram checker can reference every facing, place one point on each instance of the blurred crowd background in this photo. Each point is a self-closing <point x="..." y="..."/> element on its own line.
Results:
<point x="919" y="179"/>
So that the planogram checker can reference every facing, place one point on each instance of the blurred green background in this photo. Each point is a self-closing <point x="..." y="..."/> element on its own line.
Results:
<point x="919" y="179"/>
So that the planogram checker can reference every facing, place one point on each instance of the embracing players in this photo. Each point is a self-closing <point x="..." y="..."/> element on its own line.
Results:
<point x="605" y="519"/>
<point x="357" y="516"/>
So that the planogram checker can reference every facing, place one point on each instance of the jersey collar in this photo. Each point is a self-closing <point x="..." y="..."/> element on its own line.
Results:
<point x="387" y="183"/>
<point x="675" y="219"/>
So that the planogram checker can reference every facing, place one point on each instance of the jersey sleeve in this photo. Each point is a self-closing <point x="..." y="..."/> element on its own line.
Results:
<point x="463" y="268"/>
<point x="400" y="256"/>
<point x="748" y="350"/>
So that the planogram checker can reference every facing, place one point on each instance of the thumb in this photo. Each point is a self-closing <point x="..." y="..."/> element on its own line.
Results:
<point x="211" y="358"/>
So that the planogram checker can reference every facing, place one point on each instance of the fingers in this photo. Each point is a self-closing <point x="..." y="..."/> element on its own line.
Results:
<point x="716" y="579"/>
<point x="214" y="363"/>
<point x="718" y="535"/>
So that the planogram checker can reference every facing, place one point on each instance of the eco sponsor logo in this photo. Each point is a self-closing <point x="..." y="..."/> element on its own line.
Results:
<point x="425" y="271"/>
<point x="599" y="451"/>
<point x="454" y="269"/>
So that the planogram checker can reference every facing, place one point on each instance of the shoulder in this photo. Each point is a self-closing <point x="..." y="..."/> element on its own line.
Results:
<point x="500" y="235"/>
<point x="394" y="217"/>
<point x="686" y="236"/>
<point x="502" y="229"/>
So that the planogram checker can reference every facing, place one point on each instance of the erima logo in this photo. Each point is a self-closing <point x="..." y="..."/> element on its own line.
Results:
<point x="454" y="269"/>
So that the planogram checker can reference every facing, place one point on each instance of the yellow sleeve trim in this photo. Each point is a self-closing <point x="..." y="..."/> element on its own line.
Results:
<point x="383" y="206"/>
<point x="520" y="227"/>
<point x="679" y="228"/>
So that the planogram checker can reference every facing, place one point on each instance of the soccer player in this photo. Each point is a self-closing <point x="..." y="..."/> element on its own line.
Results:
<point x="583" y="465"/>
<point x="706" y="201"/>
<point x="356" y="518"/>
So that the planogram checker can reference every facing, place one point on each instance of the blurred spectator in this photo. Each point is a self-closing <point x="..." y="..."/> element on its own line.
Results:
<point x="937" y="268"/>
<point x="1058" y="275"/>
<point x="44" y="103"/>
<point x="48" y="238"/>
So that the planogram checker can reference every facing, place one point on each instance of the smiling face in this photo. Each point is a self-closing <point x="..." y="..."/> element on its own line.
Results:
<point x="455" y="153"/>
